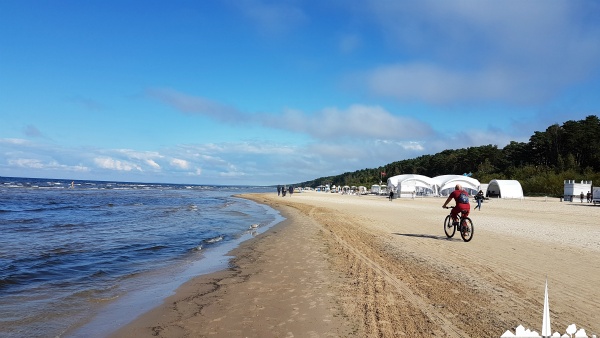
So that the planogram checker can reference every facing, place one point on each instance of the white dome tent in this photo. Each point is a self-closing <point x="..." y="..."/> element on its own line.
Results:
<point x="446" y="184"/>
<point x="410" y="185"/>
<point x="504" y="189"/>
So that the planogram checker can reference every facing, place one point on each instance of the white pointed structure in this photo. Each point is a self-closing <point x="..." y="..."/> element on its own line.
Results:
<point x="546" y="332"/>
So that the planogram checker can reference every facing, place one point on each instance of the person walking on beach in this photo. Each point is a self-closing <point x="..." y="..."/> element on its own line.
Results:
<point x="479" y="199"/>
<point x="581" y="197"/>
<point x="461" y="197"/>
<point x="391" y="195"/>
<point x="278" y="190"/>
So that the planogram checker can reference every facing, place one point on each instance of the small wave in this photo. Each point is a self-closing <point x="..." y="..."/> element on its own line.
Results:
<point x="103" y="299"/>
<point x="153" y="248"/>
<point x="99" y="273"/>
<point x="7" y="282"/>
<point x="69" y="225"/>
<point x="192" y="207"/>
<point x="57" y="252"/>
<point x="27" y="221"/>
<point x="254" y="226"/>
<point x="213" y="240"/>
<point x="237" y="213"/>
<point x="51" y="207"/>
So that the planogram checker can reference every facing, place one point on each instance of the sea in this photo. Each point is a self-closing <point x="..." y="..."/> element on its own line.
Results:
<point x="83" y="258"/>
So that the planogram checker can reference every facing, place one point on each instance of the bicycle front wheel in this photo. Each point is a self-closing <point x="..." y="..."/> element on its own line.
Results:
<point x="449" y="228"/>
<point x="466" y="229"/>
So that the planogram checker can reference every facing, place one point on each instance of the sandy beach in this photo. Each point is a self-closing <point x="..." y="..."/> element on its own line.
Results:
<point x="362" y="266"/>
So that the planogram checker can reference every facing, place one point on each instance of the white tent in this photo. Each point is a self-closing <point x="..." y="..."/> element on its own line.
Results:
<point x="446" y="183"/>
<point x="410" y="185"/>
<point x="504" y="189"/>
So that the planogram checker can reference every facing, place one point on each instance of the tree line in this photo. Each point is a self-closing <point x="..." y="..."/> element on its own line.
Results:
<point x="570" y="151"/>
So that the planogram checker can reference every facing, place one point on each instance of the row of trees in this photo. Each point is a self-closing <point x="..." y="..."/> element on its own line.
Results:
<point x="568" y="151"/>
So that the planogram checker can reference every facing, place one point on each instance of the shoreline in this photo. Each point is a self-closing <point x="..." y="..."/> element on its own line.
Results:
<point x="277" y="283"/>
<point x="149" y="289"/>
<point x="342" y="265"/>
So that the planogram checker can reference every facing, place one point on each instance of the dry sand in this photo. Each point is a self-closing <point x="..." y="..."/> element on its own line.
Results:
<point x="362" y="266"/>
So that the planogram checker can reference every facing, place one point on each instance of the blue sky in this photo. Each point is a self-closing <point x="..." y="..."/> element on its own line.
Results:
<point x="272" y="92"/>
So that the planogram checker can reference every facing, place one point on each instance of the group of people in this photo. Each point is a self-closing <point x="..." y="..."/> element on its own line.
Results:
<point x="281" y="190"/>
<point x="589" y="197"/>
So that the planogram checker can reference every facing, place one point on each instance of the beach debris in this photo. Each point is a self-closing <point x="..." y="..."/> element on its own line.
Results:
<point x="254" y="226"/>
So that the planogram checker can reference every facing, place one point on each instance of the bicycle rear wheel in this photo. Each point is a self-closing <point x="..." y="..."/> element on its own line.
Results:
<point x="449" y="228"/>
<point x="466" y="229"/>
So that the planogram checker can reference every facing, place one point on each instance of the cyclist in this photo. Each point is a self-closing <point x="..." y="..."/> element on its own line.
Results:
<point x="461" y="197"/>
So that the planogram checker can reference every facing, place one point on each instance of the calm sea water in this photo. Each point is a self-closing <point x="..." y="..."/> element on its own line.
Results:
<point x="85" y="257"/>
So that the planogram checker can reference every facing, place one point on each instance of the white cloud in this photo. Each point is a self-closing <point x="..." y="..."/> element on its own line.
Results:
<point x="147" y="157"/>
<point x="513" y="51"/>
<point x="179" y="163"/>
<point x="243" y="147"/>
<point x="272" y="17"/>
<point x="356" y="122"/>
<point x="26" y="163"/>
<point x="14" y="141"/>
<point x="110" y="163"/>
<point x="153" y="164"/>
<point x="196" y="105"/>
<point x="432" y="83"/>
<point x="30" y="163"/>
<point x="231" y="172"/>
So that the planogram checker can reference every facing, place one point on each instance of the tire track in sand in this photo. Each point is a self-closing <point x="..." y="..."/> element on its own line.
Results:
<point x="442" y="325"/>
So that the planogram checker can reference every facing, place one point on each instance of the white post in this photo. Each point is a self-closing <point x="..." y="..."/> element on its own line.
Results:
<point x="546" y="332"/>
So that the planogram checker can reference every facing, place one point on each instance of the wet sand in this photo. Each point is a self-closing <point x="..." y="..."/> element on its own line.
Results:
<point x="362" y="266"/>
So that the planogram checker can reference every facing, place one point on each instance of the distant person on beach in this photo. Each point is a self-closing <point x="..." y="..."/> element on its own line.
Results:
<point x="479" y="199"/>
<point x="461" y="197"/>
<point x="589" y="197"/>
<point x="291" y="190"/>
<point x="581" y="197"/>
<point x="278" y="190"/>
<point x="391" y="195"/>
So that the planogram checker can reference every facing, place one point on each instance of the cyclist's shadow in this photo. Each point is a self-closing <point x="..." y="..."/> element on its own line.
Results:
<point x="445" y="238"/>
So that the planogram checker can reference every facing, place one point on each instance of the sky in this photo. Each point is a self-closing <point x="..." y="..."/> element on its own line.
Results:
<point x="257" y="92"/>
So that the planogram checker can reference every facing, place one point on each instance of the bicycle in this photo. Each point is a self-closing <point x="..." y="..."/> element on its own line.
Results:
<point x="466" y="226"/>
